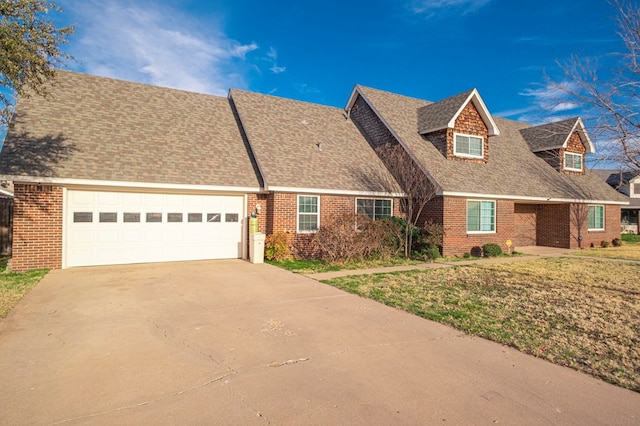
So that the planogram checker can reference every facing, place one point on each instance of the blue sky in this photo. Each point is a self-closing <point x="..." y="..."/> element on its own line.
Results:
<point x="316" y="51"/>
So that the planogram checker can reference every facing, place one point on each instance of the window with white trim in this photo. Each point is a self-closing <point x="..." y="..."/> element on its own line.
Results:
<point x="573" y="161"/>
<point x="468" y="146"/>
<point x="481" y="216"/>
<point x="308" y="213"/>
<point x="374" y="208"/>
<point x="595" y="218"/>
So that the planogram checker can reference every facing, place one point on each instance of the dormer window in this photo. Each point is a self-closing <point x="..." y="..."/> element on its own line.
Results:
<point x="573" y="161"/>
<point x="468" y="146"/>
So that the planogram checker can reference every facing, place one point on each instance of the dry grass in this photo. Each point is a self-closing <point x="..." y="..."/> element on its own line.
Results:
<point x="574" y="312"/>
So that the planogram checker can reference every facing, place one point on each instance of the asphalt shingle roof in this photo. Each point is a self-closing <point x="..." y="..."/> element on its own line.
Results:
<point x="512" y="170"/>
<point x="104" y="129"/>
<point x="548" y="136"/>
<point x="304" y="145"/>
<point x="436" y="116"/>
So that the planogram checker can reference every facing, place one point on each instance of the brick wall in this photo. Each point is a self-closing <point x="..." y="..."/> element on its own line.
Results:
<point x="594" y="238"/>
<point x="553" y="225"/>
<point x="37" y="227"/>
<point x="280" y="210"/>
<point x="525" y="219"/>
<point x="457" y="241"/>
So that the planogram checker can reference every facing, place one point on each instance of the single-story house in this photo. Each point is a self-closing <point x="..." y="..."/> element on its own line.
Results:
<point x="627" y="183"/>
<point x="110" y="172"/>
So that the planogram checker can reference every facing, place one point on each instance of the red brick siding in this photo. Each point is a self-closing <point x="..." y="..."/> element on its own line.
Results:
<point x="456" y="239"/>
<point x="553" y="228"/>
<point x="280" y="212"/>
<point x="594" y="238"/>
<point x="525" y="219"/>
<point x="469" y="122"/>
<point x="37" y="227"/>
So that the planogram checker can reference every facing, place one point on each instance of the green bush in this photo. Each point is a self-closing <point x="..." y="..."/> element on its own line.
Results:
<point x="604" y="244"/>
<point x="467" y="255"/>
<point x="428" y="253"/>
<point x="276" y="247"/>
<point x="617" y="242"/>
<point x="491" y="250"/>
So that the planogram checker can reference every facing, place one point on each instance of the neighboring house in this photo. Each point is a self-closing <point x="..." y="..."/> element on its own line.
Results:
<point x="110" y="172"/>
<point x="627" y="183"/>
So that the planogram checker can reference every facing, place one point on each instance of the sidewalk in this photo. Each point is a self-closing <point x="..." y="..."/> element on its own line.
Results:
<point x="532" y="252"/>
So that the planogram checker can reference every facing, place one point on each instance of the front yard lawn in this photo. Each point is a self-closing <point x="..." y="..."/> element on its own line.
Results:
<point x="581" y="313"/>
<point x="13" y="286"/>
<point x="316" y="266"/>
<point x="630" y="249"/>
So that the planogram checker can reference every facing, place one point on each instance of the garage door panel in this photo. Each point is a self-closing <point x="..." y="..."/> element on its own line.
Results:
<point x="135" y="240"/>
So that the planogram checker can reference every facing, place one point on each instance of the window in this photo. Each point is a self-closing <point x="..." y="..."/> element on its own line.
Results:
<point x="481" y="216"/>
<point x="131" y="217"/>
<point x="595" y="218"/>
<point x="108" y="217"/>
<point x="629" y="217"/>
<point x="308" y="213"/>
<point x="231" y="217"/>
<point x="573" y="161"/>
<point x="194" y="217"/>
<point x="154" y="217"/>
<point x="82" y="217"/>
<point x="213" y="217"/>
<point x="174" y="217"/>
<point x="372" y="208"/>
<point x="468" y="146"/>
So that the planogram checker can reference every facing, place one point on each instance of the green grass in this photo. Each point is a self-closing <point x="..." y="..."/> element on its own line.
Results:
<point x="631" y="238"/>
<point x="316" y="266"/>
<point x="13" y="286"/>
<point x="573" y="312"/>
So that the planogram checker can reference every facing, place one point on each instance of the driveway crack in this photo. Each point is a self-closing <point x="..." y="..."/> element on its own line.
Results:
<point x="153" y="401"/>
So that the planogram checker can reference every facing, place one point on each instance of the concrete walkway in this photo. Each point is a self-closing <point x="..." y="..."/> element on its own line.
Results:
<point x="533" y="252"/>
<point x="229" y="342"/>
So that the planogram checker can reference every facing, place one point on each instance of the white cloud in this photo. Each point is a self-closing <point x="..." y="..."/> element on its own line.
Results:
<point x="431" y="7"/>
<point x="152" y="43"/>
<point x="548" y="103"/>
<point x="272" y="56"/>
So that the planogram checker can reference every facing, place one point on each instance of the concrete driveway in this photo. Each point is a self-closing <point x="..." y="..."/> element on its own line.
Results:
<point x="229" y="342"/>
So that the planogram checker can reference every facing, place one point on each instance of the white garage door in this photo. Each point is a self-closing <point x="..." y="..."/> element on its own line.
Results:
<point x="107" y="228"/>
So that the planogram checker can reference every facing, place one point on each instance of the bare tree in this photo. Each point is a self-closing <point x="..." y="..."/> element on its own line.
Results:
<point x="416" y="186"/>
<point x="578" y="215"/>
<point x="611" y="102"/>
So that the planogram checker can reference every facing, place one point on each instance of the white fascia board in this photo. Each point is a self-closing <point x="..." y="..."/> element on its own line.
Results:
<point x="582" y="131"/>
<point x="549" y="200"/>
<point x="474" y="97"/>
<point x="123" y="184"/>
<point x="323" y="191"/>
<point x="352" y="98"/>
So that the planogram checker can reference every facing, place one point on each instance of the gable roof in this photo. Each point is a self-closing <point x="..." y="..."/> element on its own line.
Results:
<point x="443" y="114"/>
<point x="309" y="146"/>
<point x="101" y="129"/>
<point x="512" y="171"/>
<point x="556" y="135"/>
